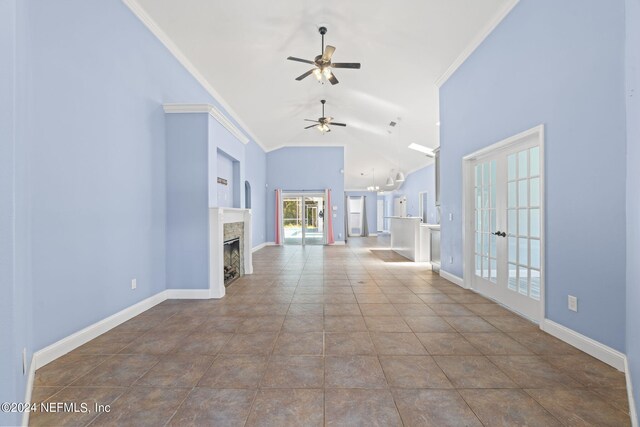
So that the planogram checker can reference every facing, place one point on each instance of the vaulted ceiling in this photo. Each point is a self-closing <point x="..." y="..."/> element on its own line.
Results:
<point x="240" y="49"/>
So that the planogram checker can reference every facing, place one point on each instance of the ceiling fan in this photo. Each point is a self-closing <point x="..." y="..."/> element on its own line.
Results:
<point x="323" y="64"/>
<point x="323" y="122"/>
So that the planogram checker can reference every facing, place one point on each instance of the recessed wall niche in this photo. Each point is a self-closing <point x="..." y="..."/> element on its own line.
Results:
<point x="228" y="181"/>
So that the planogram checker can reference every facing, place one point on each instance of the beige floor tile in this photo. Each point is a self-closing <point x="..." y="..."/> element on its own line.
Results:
<point x="434" y="408"/>
<point x="214" y="407"/>
<point x="413" y="372"/>
<point x="360" y="408"/>
<point x="508" y="408"/>
<point x="287" y="407"/>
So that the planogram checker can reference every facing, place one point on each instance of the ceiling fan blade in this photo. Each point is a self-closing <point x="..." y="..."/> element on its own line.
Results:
<point x="306" y="61"/>
<point x="309" y="120"/>
<point x="312" y="126"/>
<point x="337" y="124"/>
<point x="305" y="75"/>
<point x="328" y="53"/>
<point x="333" y="79"/>
<point x="346" y="65"/>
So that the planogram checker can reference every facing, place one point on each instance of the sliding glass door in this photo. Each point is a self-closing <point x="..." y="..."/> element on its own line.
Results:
<point x="303" y="219"/>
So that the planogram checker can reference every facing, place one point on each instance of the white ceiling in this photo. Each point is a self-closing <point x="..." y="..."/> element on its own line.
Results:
<point x="240" y="49"/>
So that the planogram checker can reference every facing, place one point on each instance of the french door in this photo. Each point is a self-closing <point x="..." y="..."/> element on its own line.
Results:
<point x="303" y="219"/>
<point x="506" y="261"/>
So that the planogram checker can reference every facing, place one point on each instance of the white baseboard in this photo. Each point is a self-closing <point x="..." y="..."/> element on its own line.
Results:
<point x="590" y="346"/>
<point x="338" y="242"/>
<point x="373" y="234"/>
<point x="632" y="403"/>
<point x="73" y="341"/>
<point x="188" y="294"/>
<point x="452" y="278"/>
<point x="260" y="246"/>
<point x="60" y="348"/>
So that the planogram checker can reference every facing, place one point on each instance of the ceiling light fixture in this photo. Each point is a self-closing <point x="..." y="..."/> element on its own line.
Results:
<point x="399" y="175"/>
<point x="389" y="181"/>
<point x="373" y="187"/>
<point x="421" y="148"/>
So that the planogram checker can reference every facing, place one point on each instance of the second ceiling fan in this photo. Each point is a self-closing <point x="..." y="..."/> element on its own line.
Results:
<point x="323" y="123"/>
<point x="323" y="64"/>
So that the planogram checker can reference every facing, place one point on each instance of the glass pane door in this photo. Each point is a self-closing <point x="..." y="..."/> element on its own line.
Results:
<point x="314" y="220"/>
<point x="505" y="195"/>
<point x="523" y="212"/>
<point x="292" y="219"/>
<point x="303" y="219"/>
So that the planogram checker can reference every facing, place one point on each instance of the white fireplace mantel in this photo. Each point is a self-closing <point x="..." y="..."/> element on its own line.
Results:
<point x="217" y="218"/>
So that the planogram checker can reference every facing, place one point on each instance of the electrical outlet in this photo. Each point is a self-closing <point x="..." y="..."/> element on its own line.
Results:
<point x="450" y="217"/>
<point x="134" y="283"/>
<point x="24" y="361"/>
<point x="339" y="235"/>
<point x="573" y="303"/>
<point x="450" y="260"/>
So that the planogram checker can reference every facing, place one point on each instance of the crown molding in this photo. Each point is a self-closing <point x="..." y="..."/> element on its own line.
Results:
<point x="213" y="112"/>
<point x="152" y="26"/>
<point x="476" y="41"/>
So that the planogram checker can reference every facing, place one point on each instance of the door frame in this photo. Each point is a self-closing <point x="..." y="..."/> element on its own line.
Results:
<point x="468" y="204"/>
<point x="302" y="195"/>
<point x="348" y="209"/>
<point x="421" y="204"/>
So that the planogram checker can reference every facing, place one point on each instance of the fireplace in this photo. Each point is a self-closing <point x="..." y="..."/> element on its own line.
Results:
<point x="232" y="260"/>
<point x="229" y="234"/>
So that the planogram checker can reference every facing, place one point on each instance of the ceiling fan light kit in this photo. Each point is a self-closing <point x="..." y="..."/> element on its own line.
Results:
<point x="323" y="65"/>
<point x="322" y="124"/>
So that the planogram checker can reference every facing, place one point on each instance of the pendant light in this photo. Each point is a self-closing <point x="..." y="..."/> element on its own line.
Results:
<point x="399" y="175"/>
<point x="373" y="187"/>
<point x="389" y="181"/>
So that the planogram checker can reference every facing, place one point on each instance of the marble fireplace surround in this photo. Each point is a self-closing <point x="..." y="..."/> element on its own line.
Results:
<point x="218" y="217"/>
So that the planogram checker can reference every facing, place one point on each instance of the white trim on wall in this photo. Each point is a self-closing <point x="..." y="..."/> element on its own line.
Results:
<point x="258" y="247"/>
<point x="590" y="346"/>
<point x="50" y="353"/>
<point x="152" y="26"/>
<point x="452" y="278"/>
<point x="213" y="112"/>
<point x="477" y="41"/>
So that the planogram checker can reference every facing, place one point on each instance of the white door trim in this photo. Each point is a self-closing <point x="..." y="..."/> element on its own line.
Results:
<point x="468" y="203"/>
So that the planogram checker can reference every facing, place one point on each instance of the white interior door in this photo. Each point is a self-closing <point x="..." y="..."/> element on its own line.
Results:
<point x="380" y="215"/>
<point x="355" y="215"/>
<point x="506" y="213"/>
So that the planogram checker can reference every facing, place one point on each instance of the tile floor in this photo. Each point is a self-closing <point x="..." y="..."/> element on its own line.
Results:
<point x="342" y="336"/>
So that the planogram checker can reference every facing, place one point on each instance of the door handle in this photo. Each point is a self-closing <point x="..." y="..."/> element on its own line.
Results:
<point x="500" y="233"/>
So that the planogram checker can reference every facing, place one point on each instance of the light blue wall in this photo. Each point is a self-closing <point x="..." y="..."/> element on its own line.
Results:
<point x="90" y="168"/>
<point x="225" y="171"/>
<point x="306" y="168"/>
<point x="372" y="207"/>
<point x="633" y="195"/>
<point x="12" y="309"/>
<point x="187" y="176"/>
<point x="421" y="180"/>
<point x="561" y="64"/>
<point x="256" y="174"/>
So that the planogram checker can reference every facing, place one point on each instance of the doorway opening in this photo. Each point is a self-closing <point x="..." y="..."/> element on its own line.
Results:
<point x="303" y="219"/>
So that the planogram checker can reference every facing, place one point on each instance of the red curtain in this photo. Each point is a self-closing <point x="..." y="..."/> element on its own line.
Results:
<point x="329" y="218"/>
